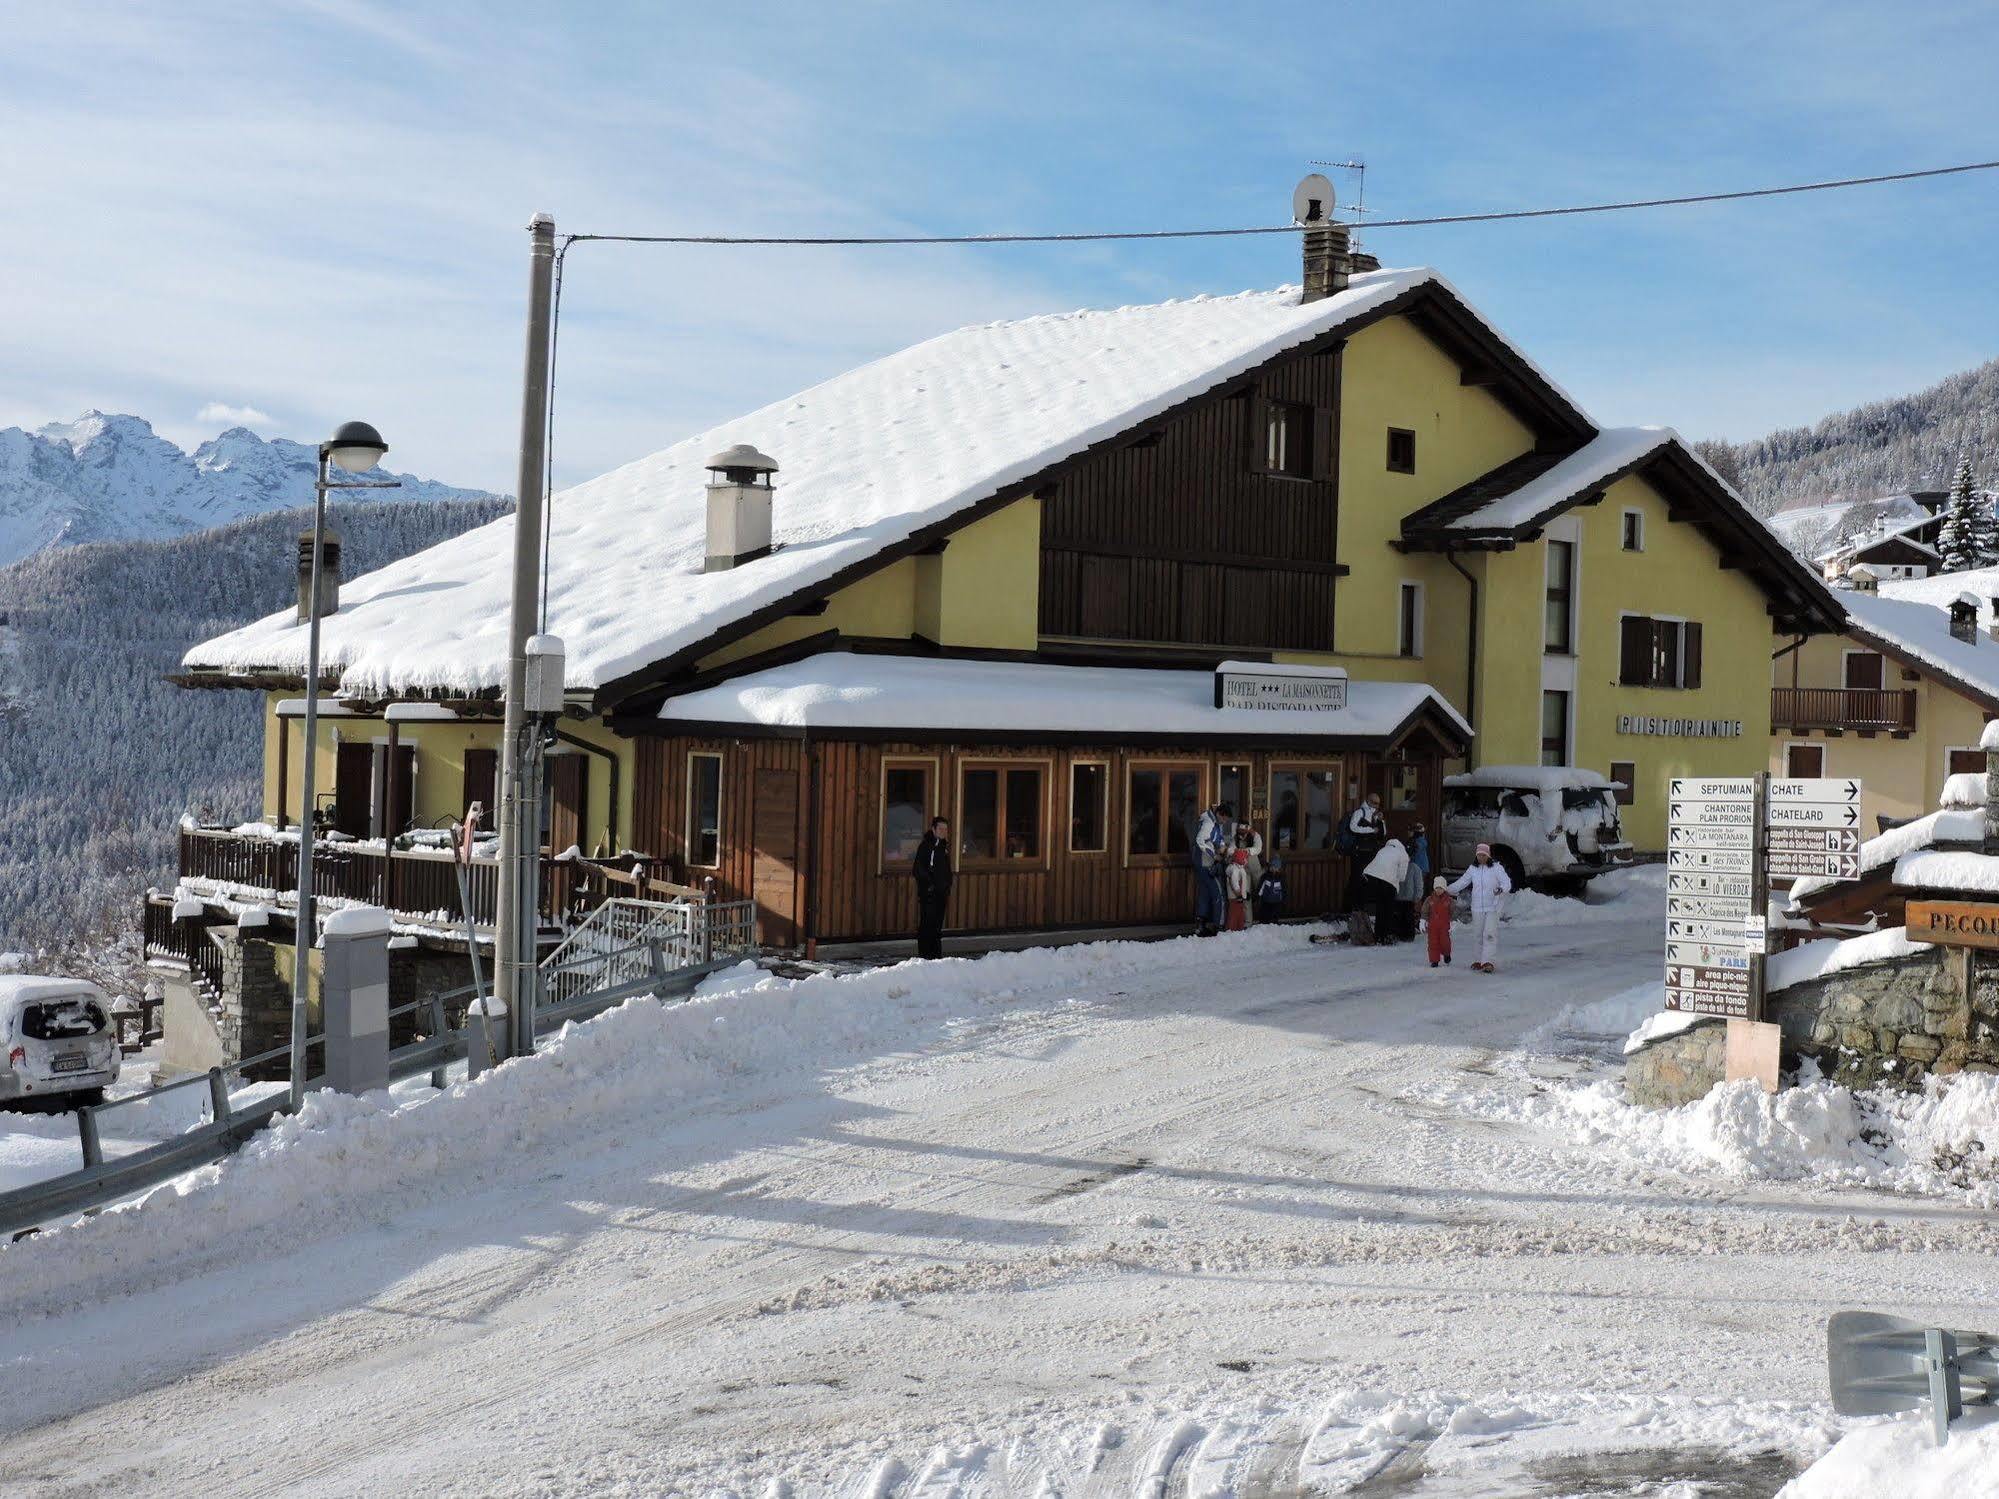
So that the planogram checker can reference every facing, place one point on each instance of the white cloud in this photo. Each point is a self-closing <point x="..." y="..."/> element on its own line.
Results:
<point x="232" y="416"/>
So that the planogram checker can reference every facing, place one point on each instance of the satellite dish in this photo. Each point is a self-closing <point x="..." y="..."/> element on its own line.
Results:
<point x="1312" y="200"/>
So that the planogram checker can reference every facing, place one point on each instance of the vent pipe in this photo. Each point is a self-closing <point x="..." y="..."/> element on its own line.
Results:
<point x="329" y="575"/>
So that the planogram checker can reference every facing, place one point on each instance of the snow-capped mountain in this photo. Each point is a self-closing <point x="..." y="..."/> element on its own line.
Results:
<point x="108" y="477"/>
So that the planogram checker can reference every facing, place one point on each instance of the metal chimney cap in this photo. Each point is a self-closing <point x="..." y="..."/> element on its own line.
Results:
<point x="743" y="456"/>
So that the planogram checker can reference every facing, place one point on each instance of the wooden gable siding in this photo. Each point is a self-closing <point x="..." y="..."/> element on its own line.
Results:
<point x="839" y="815"/>
<point x="1185" y="538"/>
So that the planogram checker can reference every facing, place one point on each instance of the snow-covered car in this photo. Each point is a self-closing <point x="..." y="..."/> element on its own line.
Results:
<point x="1547" y="824"/>
<point x="57" y="1040"/>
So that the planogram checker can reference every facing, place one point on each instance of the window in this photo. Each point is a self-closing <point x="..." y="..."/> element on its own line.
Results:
<point x="1401" y="451"/>
<point x="1163" y="806"/>
<point x="1409" y="630"/>
<point x="1962" y="762"/>
<point x="1804" y="761"/>
<point x="1658" y="652"/>
<point x="999" y="813"/>
<point x="1288" y="440"/>
<point x="704" y="810"/>
<point x="1086" y="806"/>
<point x="1634" y="530"/>
<point x="1626" y="773"/>
<point x="1302" y="810"/>
<point x="906" y="807"/>
<point x="1554" y="728"/>
<point x="1233" y="784"/>
<point x="1557" y="625"/>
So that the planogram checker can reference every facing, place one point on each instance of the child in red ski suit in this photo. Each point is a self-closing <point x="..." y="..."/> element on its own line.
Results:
<point x="1437" y="919"/>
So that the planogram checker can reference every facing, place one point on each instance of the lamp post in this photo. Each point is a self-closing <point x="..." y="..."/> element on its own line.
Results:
<point x="354" y="448"/>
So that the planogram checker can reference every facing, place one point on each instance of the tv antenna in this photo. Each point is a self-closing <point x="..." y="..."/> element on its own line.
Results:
<point x="1359" y="169"/>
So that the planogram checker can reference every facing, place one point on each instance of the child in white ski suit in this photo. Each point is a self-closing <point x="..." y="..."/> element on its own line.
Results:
<point x="1489" y="888"/>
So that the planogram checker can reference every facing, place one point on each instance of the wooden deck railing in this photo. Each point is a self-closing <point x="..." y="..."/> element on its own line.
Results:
<point x="1891" y="709"/>
<point x="411" y="882"/>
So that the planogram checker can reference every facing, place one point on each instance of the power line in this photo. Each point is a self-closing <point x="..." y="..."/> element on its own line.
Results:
<point x="1143" y="234"/>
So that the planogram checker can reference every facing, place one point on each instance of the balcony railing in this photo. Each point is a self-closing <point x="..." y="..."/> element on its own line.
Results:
<point x="1890" y="710"/>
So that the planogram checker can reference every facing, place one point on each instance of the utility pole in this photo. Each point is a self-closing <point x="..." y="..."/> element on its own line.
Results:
<point x="520" y="752"/>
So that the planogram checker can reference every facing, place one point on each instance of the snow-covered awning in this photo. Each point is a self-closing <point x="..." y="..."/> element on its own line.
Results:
<point x="929" y="697"/>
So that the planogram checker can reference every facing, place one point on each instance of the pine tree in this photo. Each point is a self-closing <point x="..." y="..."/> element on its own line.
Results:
<point x="1958" y="539"/>
<point x="1984" y="523"/>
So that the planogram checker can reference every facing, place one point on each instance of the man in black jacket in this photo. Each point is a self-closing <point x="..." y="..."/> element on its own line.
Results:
<point x="932" y="869"/>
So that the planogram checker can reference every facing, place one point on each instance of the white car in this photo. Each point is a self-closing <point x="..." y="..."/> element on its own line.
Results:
<point x="57" y="1040"/>
<point x="1547" y="824"/>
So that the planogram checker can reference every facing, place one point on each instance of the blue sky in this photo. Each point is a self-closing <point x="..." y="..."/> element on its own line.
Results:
<point x="311" y="211"/>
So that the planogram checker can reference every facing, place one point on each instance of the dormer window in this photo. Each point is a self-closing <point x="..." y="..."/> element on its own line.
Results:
<point x="1288" y="440"/>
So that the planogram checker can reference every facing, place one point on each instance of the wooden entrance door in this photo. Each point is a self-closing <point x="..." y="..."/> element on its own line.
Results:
<point x="568" y="793"/>
<point x="354" y="788"/>
<point x="774" y="857"/>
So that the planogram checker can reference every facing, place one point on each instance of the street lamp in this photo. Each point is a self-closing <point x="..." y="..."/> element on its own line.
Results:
<point x="354" y="448"/>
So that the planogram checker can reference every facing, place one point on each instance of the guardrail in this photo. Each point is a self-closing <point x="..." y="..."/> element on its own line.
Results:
<point x="665" y="962"/>
<point x="1880" y="1365"/>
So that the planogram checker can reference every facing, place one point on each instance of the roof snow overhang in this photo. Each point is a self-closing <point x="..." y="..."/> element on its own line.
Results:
<point x="1553" y="481"/>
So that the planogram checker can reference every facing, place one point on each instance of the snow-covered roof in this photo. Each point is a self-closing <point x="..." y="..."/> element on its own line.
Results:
<point x="1892" y="530"/>
<point x="1948" y="869"/>
<point x="1612" y="451"/>
<point x="838" y="690"/>
<point x="1921" y="631"/>
<point x="1546" y="779"/>
<point x="1940" y="588"/>
<point x="1951" y="825"/>
<point x="866" y="460"/>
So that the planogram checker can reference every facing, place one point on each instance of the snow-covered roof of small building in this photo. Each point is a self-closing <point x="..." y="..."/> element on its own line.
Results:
<point x="1920" y="633"/>
<point x="866" y="460"/>
<point x="928" y="695"/>
<point x="1950" y="825"/>
<point x="1898" y="529"/>
<point x="1940" y="588"/>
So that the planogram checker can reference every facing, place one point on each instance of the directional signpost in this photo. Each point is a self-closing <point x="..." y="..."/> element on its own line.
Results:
<point x="1726" y="838"/>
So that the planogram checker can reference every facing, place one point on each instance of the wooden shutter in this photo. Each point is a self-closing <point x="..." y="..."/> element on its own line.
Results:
<point x="1323" y="445"/>
<point x="1691" y="645"/>
<point x="1635" y="651"/>
<point x="482" y="771"/>
<point x="1258" y="417"/>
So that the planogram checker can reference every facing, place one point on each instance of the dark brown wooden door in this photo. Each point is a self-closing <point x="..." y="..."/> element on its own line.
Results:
<point x="400" y="793"/>
<point x="774" y="862"/>
<point x="482" y="784"/>
<point x="354" y="789"/>
<point x="569" y="792"/>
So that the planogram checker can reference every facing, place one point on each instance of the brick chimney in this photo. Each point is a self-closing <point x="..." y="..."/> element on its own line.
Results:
<point x="329" y="574"/>
<point x="1328" y="243"/>
<point x="739" y="507"/>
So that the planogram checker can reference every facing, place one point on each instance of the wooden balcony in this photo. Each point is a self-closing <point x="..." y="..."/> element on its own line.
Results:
<point x="1864" y="710"/>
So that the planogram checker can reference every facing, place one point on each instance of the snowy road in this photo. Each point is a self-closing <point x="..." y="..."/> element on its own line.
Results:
<point x="1195" y="1220"/>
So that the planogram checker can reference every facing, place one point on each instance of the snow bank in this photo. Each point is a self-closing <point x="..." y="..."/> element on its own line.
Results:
<point x="1941" y="1141"/>
<point x="1900" y="1457"/>
<point x="344" y="1161"/>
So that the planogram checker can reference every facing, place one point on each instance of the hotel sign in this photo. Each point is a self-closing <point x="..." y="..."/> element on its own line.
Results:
<point x="1277" y="689"/>
<point x="1953" y="923"/>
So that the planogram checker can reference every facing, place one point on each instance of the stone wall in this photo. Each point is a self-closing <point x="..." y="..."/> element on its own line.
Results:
<point x="1887" y="1024"/>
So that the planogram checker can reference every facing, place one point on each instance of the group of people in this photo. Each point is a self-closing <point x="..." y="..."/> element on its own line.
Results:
<point x="1393" y="880"/>
<point x="1233" y="887"/>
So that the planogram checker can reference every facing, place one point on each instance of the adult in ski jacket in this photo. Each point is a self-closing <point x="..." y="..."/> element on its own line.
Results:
<point x="1362" y="835"/>
<point x="1488" y="887"/>
<point x="1214" y="837"/>
<point x="931" y="869"/>
<point x="1383" y="881"/>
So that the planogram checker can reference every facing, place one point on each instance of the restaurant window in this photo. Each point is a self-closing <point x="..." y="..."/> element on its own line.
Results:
<point x="704" y="810"/>
<point x="1401" y="450"/>
<point x="1409" y="623"/>
<point x="1558" y="626"/>
<point x="999" y="813"/>
<point x="1232" y="786"/>
<point x="1625" y="773"/>
<point x="906" y="807"/>
<point x="1554" y="728"/>
<point x="1087" y="799"/>
<point x="1162" y="807"/>
<point x="1658" y="652"/>
<point x="1634" y="530"/>
<point x="1288" y="440"/>
<point x="1302" y="808"/>
<point x="1804" y="761"/>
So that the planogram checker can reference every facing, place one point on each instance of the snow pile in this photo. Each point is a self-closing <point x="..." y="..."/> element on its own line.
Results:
<point x="1963" y="790"/>
<point x="1900" y="1457"/>
<point x="1943" y="1140"/>
<point x="346" y="1160"/>
<point x="1948" y="869"/>
<point x="1810" y="960"/>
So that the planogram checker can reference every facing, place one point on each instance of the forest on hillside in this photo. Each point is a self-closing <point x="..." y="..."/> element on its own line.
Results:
<point x="99" y="755"/>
